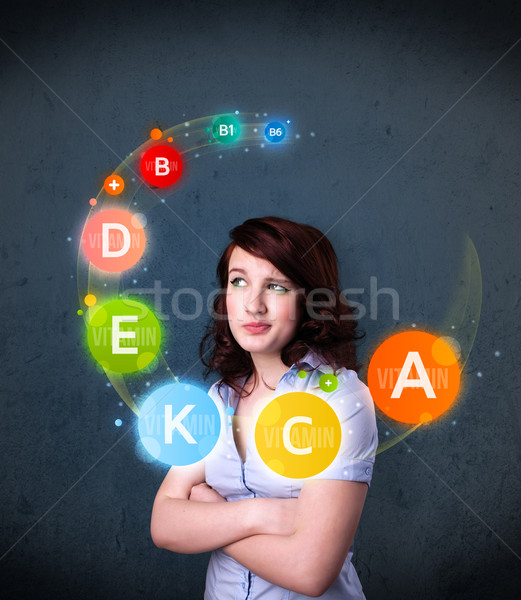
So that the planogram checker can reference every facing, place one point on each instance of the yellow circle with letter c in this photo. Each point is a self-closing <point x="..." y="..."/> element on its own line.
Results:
<point x="298" y="435"/>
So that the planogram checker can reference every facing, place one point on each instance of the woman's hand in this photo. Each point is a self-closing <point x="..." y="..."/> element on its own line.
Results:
<point x="204" y="493"/>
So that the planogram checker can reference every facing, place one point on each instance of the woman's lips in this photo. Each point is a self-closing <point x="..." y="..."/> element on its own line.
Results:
<point x="257" y="328"/>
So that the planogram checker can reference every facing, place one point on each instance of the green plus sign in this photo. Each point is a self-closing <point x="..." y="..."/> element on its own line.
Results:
<point x="328" y="382"/>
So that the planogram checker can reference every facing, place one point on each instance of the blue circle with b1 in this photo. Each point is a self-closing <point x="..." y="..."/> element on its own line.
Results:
<point x="179" y="424"/>
<point x="275" y="132"/>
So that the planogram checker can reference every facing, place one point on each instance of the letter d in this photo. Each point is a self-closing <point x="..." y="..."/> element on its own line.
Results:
<point x="105" y="250"/>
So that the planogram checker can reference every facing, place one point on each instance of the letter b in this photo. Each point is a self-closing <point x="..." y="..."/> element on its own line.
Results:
<point x="162" y="167"/>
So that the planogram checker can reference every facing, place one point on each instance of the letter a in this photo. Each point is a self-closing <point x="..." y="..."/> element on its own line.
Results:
<point x="423" y="381"/>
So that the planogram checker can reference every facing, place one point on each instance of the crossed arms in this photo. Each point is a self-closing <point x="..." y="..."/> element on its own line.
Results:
<point x="296" y="543"/>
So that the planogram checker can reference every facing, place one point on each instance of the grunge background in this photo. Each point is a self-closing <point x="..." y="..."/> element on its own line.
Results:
<point x="415" y="111"/>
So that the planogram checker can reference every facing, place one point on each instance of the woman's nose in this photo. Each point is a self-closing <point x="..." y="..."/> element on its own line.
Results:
<point x="254" y="301"/>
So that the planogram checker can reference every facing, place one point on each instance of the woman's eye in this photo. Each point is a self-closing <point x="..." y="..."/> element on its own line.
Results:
<point x="234" y="281"/>
<point x="280" y="287"/>
<point x="240" y="282"/>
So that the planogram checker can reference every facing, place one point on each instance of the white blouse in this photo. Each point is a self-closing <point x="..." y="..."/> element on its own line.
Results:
<point x="227" y="579"/>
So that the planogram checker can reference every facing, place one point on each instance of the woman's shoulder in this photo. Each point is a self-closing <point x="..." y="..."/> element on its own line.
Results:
<point x="220" y="390"/>
<point x="347" y="378"/>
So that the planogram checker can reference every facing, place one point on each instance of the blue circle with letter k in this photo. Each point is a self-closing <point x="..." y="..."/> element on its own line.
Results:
<point x="179" y="424"/>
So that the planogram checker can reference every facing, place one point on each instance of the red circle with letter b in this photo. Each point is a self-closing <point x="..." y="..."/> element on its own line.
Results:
<point x="161" y="166"/>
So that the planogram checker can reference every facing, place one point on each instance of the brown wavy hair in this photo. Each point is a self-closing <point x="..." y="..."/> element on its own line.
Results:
<point x="304" y="255"/>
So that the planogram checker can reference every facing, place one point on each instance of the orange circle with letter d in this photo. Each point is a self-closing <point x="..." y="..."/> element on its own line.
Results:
<point x="414" y="376"/>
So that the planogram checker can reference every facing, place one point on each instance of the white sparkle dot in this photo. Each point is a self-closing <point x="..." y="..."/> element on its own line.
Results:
<point x="220" y="155"/>
<point x="297" y="136"/>
<point x="166" y="351"/>
<point x="135" y="203"/>
<point x="473" y="321"/>
<point x="145" y="269"/>
<point x="187" y="134"/>
<point x="255" y="130"/>
<point x="229" y="441"/>
<point x="228" y="456"/>
<point x="452" y="327"/>
<point x="187" y="124"/>
<point x="413" y="325"/>
<point x="69" y="239"/>
<point x="236" y="112"/>
<point x="350" y="431"/>
<point x="163" y="200"/>
<point x="104" y="285"/>
<point x="497" y="353"/>
<point x="345" y="472"/>
<point x="134" y="281"/>
<point x="312" y="134"/>
<point x="479" y="374"/>
<point x="454" y="422"/>
<point x="246" y="149"/>
<point x="265" y="114"/>
<point x="133" y="179"/>
<point x="120" y="403"/>
<point x="262" y="145"/>
<point x="256" y="114"/>
<point x="187" y="388"/>
<point x="108" y="384"/>
<point x="197" y="156"/>
<point x="386" y="433"/>
<point x="341" y="401"/>
<point x="408" y="449"/>
<point x="72" y="276"/>
<point x="147" y="383"/>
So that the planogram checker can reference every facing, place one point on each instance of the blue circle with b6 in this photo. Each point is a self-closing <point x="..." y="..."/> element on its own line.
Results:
<point x="179" y="424"/>
<point x="275" y="132"/>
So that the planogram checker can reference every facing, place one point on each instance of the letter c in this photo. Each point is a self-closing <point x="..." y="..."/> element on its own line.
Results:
<point x="285" y="435"/>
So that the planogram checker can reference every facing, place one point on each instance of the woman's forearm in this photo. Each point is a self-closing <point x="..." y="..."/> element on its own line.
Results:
<point x="189" y="526"/>
<point x="278" y="559"/>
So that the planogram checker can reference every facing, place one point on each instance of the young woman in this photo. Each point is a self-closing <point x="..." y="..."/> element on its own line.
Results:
<point x="274" y="537"/>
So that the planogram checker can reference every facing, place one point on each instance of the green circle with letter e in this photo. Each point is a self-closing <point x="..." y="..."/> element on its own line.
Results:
<point x="123" y="335"/>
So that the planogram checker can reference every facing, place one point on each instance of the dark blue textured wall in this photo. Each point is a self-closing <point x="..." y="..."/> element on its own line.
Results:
<point x="369" y="79"/>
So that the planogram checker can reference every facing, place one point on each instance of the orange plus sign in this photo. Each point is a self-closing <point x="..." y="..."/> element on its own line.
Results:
<point x="114" y="185"/>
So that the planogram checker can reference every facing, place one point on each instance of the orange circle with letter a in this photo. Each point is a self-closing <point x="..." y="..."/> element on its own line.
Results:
<point x="414" y="376"/>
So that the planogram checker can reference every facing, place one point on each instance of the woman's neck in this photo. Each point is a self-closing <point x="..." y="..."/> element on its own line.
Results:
<point x="269" y="368"/>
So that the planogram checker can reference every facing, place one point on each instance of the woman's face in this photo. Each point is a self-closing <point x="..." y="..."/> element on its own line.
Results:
<point x="258" y="293"/>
